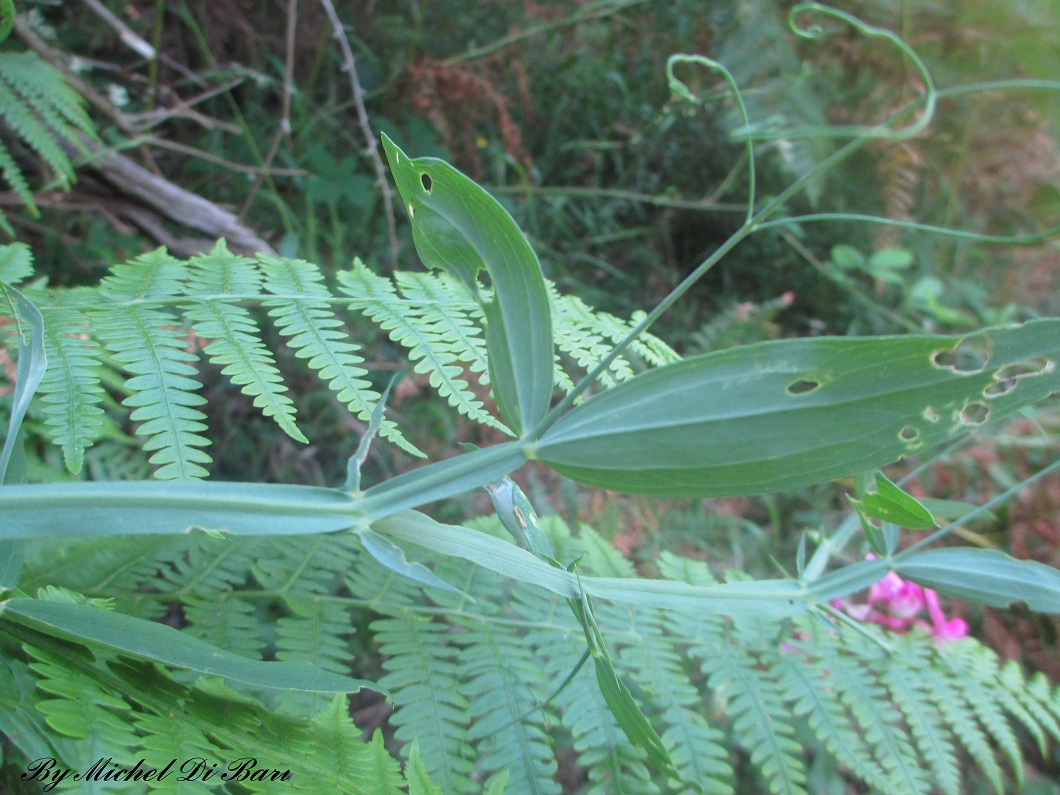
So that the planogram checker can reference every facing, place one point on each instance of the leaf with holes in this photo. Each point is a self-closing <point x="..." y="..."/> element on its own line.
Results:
<point x="780" y="415"/>
<point x="460" y="228"/>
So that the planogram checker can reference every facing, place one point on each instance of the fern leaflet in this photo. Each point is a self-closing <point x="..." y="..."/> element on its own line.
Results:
<point x="311" y="329"/>
<point x="237" y="345"/>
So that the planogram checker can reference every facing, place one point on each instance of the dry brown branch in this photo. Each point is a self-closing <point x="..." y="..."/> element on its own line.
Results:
<point x="362" y="119"/>
<point x="173" y="201"/>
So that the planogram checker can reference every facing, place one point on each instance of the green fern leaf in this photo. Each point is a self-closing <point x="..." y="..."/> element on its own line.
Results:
<point x="427" y="348"/>
<point x="314" y="632"/>
<point x="422" y="676"/>
<point x="30" y="117"/>
<point x="758" y="711"/>
<point x="654" y="351"/>
<point x="806" y="686"/>
<point x="364" y="767"/>
<point x="579" y="333"/>
<point x="445" y="304"/>
<point x="202" y="563"/>
<point x="1013" y="681"/>
<point x="77" y="707"/>
<point x="225" y="621"/>
<point x="149" y="344"/>
<point x="868" y="702"/>
<point x="238" y="347"/>
<point x="311" y="328"/>
<point x="14" y="177"/>
<point x="419" y="779"/>
<point x="71" y="391"/>
<point x="315" y="566"/>
<point x="901" y="674"/>
<point x="963" y="723"/>
<point x="500" y="672"/>
<point x="21" y="724"/>
<point x="167" y="737"/>
<point x="46" y="90"/>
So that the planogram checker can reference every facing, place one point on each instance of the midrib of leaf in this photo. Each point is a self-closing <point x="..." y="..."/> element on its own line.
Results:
<point x="160" y="374"/>
<point x="268" y="392"/>
<point x="763" y="718"/>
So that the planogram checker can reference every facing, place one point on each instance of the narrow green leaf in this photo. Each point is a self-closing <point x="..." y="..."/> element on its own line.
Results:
<point x="619" y="700"/>
<point x="985" y="575"/>
<point x="32" y="363"/>
<point x="774" y="598"/>
<point x="890" y="504"/>
<point x="391" y="556"/>
<point x="11" y="553"/>
<point x="784" y="414"/>
<point x="460" y="228"/>
<point x="148" y="640"/>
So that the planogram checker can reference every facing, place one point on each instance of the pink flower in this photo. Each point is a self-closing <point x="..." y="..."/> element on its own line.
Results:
<point x="897" y="597"/>
<point x="894" y="603"/>
<point x="942" y="629"/>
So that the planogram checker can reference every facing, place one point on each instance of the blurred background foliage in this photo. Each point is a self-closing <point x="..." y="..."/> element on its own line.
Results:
<point x="561" y="109"/>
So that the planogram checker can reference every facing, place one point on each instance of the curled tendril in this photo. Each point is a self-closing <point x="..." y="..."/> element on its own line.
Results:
<point x="816" y="32"/>
<point x="678" y="87"/>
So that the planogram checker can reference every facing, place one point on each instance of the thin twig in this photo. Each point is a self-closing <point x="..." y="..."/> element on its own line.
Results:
<point x="593" y="11"/>
<point x="163" y="143"/>
<point x="362" y="119"/>
<point x="284" y="129"/>
<point x="130" y="39"/>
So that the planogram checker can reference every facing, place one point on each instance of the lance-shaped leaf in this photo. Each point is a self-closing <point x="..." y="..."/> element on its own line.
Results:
<point x="148" y="640"/>
<point x="461" y="229"/>
<point x="985" y="575"/>
<point x="785" y="414"/>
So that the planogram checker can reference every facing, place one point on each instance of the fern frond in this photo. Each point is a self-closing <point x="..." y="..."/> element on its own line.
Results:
<point x="428" y="349"/>
<point x="807" y="688"/>
<point x="866" y="699"/>
<point x="921" y="715"/>
<point x="445" y="305"/>
<point x="225" y="621"/>
<point x="963" y="723"/>
<point x="71" y="391"/>
<point x="46" y="90"/>
<point x="363" y="767"/>
<point x="172" y="737"/>
<point x="1041" y="711"/>
<point x="575" y="328"/>
<point x="422" y="676"/>
<point x="315" y="632"/>
<point x="20" y="723"/>
<point x="78" y="707"/>
<point x="759" y="723"/>
<point x="237" y="345"/>
<point x="653" y="350"/>
<point x="311" y="329"/>
<point x="15" y="178"/>
<point x="314" y="567"/>
<point x="149" y="344"/>
<point x="31" y="120"/>
<point x="201" y="563"/>
<point x="500" y="677"/>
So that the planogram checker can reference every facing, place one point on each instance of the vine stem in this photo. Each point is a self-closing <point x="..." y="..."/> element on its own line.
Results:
<point x="350" y="67"/>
